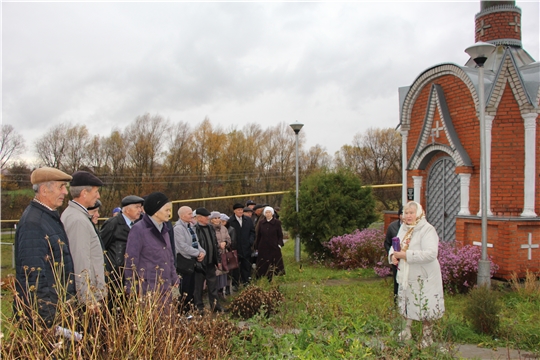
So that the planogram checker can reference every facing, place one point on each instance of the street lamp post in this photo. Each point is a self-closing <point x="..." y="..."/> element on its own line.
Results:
<point x="297" y="127"/>
<point x="479" y="52"/>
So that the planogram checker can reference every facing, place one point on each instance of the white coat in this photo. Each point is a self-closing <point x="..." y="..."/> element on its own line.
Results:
<point x="420" y="295"/>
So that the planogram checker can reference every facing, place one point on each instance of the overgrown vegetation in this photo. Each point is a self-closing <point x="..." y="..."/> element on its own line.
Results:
<point x="325" y="313"/>
<point x="255" y="300"/>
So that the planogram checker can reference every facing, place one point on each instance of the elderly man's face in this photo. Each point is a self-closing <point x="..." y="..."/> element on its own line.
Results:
<point x="239" y="212"/>
<point x="203" y="220"/>
<point x="89" y="197"/>
<point x="132" y="211"/>
<point x="53" y="194"/>
<point x="187" y="215"/>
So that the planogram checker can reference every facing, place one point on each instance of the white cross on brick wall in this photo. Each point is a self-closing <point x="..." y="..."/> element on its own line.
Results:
<point x="530" y="246"/>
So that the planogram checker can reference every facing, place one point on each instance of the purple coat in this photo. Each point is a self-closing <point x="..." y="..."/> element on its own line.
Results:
<point x="150" y="252"/>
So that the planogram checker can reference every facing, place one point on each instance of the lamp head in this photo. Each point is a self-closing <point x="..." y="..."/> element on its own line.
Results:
<point x="296" y="127"/>
<point x="480" y="51"/>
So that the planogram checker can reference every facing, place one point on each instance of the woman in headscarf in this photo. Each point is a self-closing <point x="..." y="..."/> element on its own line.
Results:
<point x="224" y="243"/>
<point x="269" y="241"/>
<point x="149" y="256"/>
<point x="420" y="294"/>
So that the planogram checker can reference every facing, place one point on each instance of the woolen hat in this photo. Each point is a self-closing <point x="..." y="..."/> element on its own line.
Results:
<point x="215" y="215"/>
<point x="116" y="210"/>
<point x="96" y="205"/>
<point x="251" y="202"/>
<point x="46" y="174"/>
<point x="224" y="217"/>
<point x="238" y="206"/>
<point x="154" y="202"/>
<point x="132" y="199"/>
<point x="84" y="178"/>
<point x="202" y="211"/>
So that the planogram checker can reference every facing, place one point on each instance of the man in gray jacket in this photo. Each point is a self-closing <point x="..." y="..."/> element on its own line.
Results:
<point x="187" y="245"/>
<point x="84" y="243"/>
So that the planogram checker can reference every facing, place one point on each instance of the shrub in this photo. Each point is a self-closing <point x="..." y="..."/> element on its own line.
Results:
<point x="253" y="300"/>
<point x="482" y="310"/>
<point x="361" y="249"/>
<point x="530" y="288"/>
<point x="330" y="204"/>
<point x="459" y="266"/>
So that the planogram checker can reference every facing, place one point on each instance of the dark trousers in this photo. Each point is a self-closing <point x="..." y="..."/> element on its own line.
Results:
<point x="245" y="267"/>
<point x="186" y="291"/>
<point x="396" y="286"/>
<point x="211" y="283"/>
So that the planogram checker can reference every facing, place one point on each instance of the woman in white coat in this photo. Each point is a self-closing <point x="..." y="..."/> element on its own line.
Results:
<point x="420" y="294"/>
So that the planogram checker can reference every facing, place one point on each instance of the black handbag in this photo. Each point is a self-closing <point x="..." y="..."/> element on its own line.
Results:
<point x="185" y="266"/>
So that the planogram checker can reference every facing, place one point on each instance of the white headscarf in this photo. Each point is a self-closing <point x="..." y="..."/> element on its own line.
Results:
<point x="268" y="208"/>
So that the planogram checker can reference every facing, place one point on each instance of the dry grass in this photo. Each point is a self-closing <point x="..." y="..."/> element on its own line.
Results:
<point x="529" y="287"/>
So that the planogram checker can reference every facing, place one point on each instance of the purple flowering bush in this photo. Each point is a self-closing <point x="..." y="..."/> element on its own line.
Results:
<point x="361" y="249"/>
<point x="459" y="266"/>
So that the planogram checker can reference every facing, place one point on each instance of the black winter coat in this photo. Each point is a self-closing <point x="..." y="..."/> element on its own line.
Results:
<point x="40" y="242"/>
<point x="245" y="235"/>
<point x="114" y="234"/>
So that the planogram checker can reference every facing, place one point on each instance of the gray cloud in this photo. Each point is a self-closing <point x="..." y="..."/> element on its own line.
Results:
<point x="336" y="67"/>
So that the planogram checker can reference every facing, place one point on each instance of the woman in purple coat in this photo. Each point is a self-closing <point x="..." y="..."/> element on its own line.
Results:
<point x="269" y="241"/>
<point x="148" y="249"/>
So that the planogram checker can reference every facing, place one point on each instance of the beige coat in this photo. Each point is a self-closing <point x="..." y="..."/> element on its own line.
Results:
<point x="420" y="295"/>
<point x="87" y="254"/>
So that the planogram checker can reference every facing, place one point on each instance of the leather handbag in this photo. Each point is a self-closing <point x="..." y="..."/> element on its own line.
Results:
<point x="229" y="260"/>
<point x="185" y="266"/>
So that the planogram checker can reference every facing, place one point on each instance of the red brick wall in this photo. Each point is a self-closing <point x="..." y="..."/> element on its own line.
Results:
<point x="507" y="158"/>
<point x="500" y="28"/>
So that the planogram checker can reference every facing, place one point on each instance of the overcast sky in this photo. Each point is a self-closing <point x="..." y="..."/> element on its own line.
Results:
<point x="336" y="67"/>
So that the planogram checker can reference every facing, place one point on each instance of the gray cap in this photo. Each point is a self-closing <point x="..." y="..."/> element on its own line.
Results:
<point x="132" y="199"/>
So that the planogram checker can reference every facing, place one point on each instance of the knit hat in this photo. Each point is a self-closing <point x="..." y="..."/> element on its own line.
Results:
<point x="224" y="217"/>
<point x="215" y="215"/>
<point x="154" y="202"/>
<point x="95" y="206"/>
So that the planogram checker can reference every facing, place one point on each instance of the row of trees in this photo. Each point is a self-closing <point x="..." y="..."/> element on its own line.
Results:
<point x="185" y="161"/>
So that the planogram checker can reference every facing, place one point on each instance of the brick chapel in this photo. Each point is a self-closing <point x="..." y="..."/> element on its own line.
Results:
<point x="440" y="130"/>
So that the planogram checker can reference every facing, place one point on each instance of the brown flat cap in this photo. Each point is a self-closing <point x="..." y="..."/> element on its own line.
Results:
<point x="46" y="174"/>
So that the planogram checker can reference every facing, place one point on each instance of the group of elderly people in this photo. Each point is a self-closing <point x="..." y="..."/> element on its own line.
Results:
<point x="58" y="258"/>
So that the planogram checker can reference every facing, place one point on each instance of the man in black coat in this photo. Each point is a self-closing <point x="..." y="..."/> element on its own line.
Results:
<point x="114" y="234"/>
<point x="44" y="267"/>
<point x="245" y="238"/>
<point x="208" y="241"/>
<point x="391" y="232"/>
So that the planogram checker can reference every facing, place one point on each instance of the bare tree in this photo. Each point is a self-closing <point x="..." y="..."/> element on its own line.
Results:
<point x="376" y="157"/>
<point x="11" y="146"/>
<point x="145" y="138"/>
<point x="77" y="148"/>
<point x="50" y="147"/>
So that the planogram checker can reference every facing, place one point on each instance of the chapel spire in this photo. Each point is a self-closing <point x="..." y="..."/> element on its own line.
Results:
<point x="499" y="23"/>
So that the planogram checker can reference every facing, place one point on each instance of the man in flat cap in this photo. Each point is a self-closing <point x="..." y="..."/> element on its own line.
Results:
<point x="245" y="238"/>
<point x="44" y="267"/>
<point x="250" y="204"/>
<point x="114" y="234"/>
<point x="84" y="241"/>
<point x="208" y="241"/>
